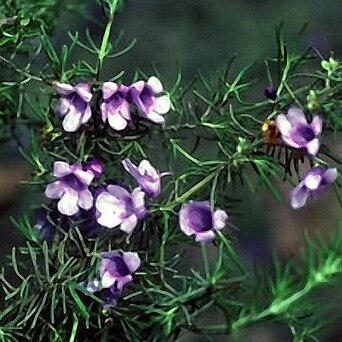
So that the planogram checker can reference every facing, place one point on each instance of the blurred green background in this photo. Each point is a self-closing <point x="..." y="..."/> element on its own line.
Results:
<point x="192" y="35"/>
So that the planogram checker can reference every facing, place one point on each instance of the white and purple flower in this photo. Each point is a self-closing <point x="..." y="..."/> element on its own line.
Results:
<point x="71" y="188"/>
<point x="149" y="99"/>
<point x="114" y="105"/>
<point x="74" y="105"/>
<point x="297" y="132"/>
<point x="116" y="270"/>
<point x="146" y="175"/>
<point x="198" y="218"/>
<point x="313" y="184"/>
<point x="115" y="206"/>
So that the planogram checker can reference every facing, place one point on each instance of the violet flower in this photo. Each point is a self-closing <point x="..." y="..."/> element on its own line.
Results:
<point x="297" y="132"/>
<point x="71" y="188"/>
<point x="197" y="218"/>
<point x="313" y="184"/>
<point x="74" y="105"/>
<point x="146" y="96"/>
<point x="116" y="269"/>
<point x="146" y="175"/>
<point x="117" y="207"/>
<point x="114" y="106"/>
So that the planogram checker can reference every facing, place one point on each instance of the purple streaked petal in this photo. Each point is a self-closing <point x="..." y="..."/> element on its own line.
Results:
<point x="67" y="205"/>
<point x="129" y="224"/>
<point x="85" y="199"/>
<point x="121" y="282"/>
<point x="330" y="175"/>
<point x="296" y="116"/>
<point x="108" y="89"/>
<point x="118" y="192"/>
<point x="86" y="177"/>
<point x="205" y="236"/>
<point x="132" y="260"/>
<point x="131" y="168"/>
<point x="299" y="196"/>
<point x="83" y="90"/>
<point x="61" y="169"/>
<point x="55" y="190"/>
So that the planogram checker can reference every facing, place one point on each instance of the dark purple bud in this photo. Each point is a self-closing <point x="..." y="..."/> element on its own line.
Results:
<point x="270" y="93"/>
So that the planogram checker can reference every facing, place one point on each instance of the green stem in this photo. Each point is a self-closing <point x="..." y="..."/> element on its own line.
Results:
<point x="105" y="38"/>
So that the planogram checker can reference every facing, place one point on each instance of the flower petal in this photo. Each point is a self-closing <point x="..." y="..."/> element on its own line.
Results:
<point x="296" y="116"/>
<point x="205" y="236"/>
<point x="54" y="190"/>
<point x="162" y="104"/>
<point x="117" y="121"/>
<point x="85" y="199"/>
<point x="330" y="175"/>
<point x="299" y="196"/>
<point x="107" y="280"/>
<point x="155" y="84"/>
<point x="67" y="205"/>
<point x="312" y="181"/>
<point x="283" y="124"/>
<point x="220" y="218"/>
<point x="317" y="124"/>
<point x="61" y="169"/>
<point x="109" y="220"/>
<point x="313" y="146"/>
<point x="108" y="89"/>
<point x="72" y="121"/>
<point x="132" y="260"/>
<point x="129" y="224"/>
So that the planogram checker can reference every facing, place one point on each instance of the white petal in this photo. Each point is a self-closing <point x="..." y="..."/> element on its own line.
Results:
<point x="155" y="84"/>
<point x="72" y="121"/>
<point x="84" y="91"/>
<point x="162" y="104"/>
<point x="64" y="88"/>
<point x="299" y="196"/>
<point x="109" y="220"/>
<point x="312" y="182"/>
<point x="105" y="202"/>
<point x="85" y="199"/>
<point x="67" y="205"/>
<point x="145" y="167"/>
<point x="138" y="197"/>
<point x="296" y="116"/>
<point x="107" y="280"/>
<point x="313" y="146"/>
<point x="108" y="89"/>
<point x="283" y="124"/>
<point x="317" y="124"/>
<point x="155" y="117"/>
<point x="129" y="224"/>
<point x="116" y="121"/>
<point x="205" y="236"/>
<point x="86" y="115"/>
<point x="220" y="217"/>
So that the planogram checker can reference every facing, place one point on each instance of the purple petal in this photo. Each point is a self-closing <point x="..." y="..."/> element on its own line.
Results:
<point x="220" y="218"/>
<point x="108" y="89"/>
<point x="123" y="281"/>
<point x="205" y="236"/>
<point x="330" y="175"/>
<point x="61" y="169"/>
<point x="132" y="260"/>
<point x="283" y="124"/>
<point x="299" y="196"/>
<point x="296" y="116"/>
<point x="118" y="192"/>
<point x="85" y="199"/>
<point x="129" y="224"/>
<point x="55" y="190"/>
<point x="317" y="124"/>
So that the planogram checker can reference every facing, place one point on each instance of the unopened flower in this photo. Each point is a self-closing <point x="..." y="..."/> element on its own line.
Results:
<point x="313" y="184"/>
<point x="95" y="166"/>
<point x="115" y="206"/>
<point x="116" y="270"/>
<point x="148" y="98"/>
<point x="297" y="132"/>
<point x="270" y="93"/>
<point x="71" y="188"/>
<point x="198" y="218"/>
<point x="114" y="105"/>
<point x="74" y="105"/>
<point x="146" y="175"/>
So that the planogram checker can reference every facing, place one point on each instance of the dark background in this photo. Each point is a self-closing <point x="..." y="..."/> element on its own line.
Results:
<point x="192" y="35"/>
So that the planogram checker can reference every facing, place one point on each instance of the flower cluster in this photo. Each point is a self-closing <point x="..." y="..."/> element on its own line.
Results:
<point x="298" y="133"/>
<point x="116" y="103"/>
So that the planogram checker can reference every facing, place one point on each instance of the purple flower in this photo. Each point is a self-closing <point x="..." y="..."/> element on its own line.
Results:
<point x="114" y="106"/>
<point x="270" y="93"/>
<point x="313" y="184"/>
<point x="146" y="97"/>
<point x="197" y="218"/>
<point x="297" y="132"/>
<point x="71" y="188"/>
<point x="95" y="166"/>
<point x="117" y="207"/>
<point x="74" y="105"/>
<point x="146" y="175"/>
<point x="116" y="269"/>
